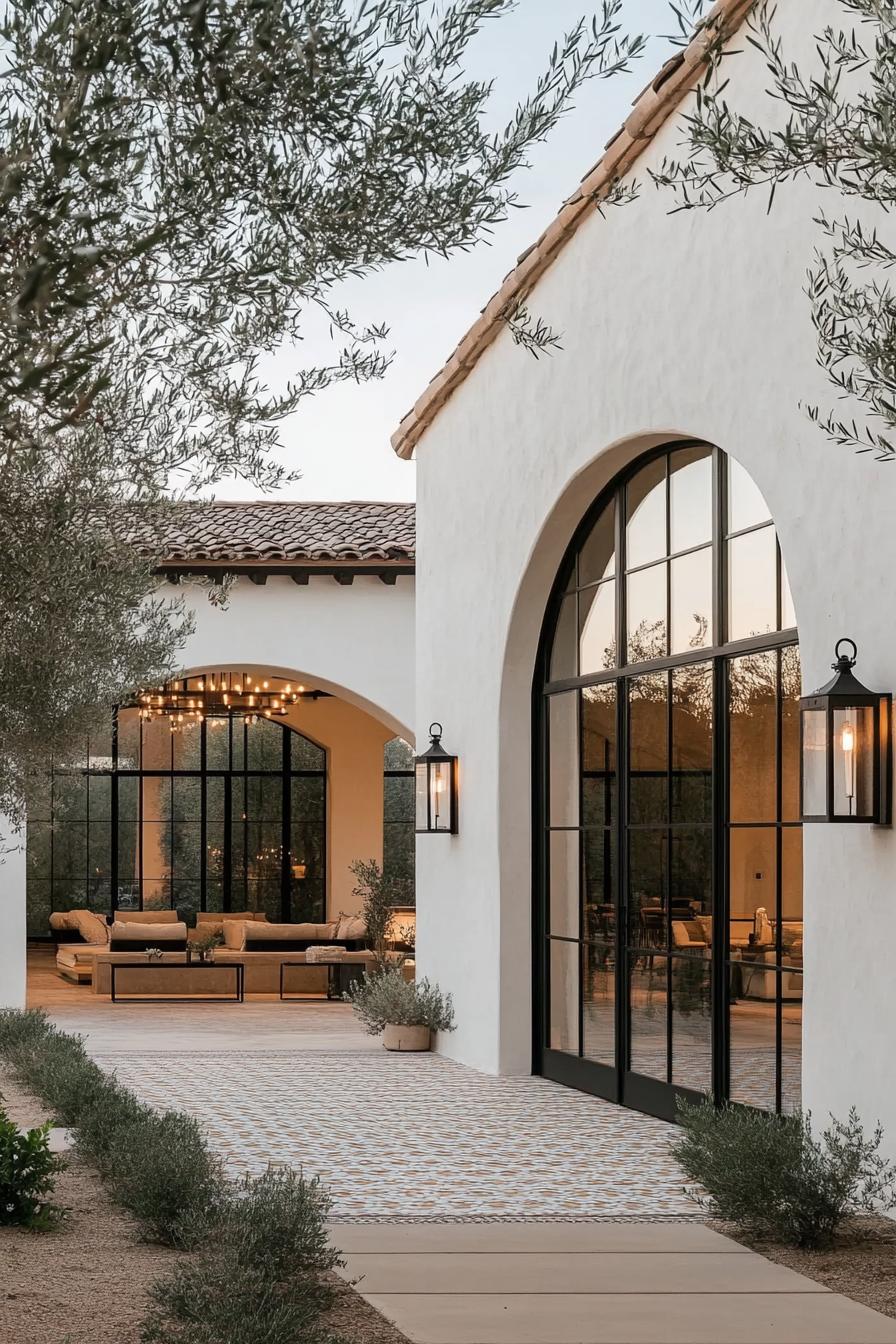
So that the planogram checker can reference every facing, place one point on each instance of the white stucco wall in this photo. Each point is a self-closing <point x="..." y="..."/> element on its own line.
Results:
<point x="354" y="743"/>
<point x="696" y="325"/>
<point x="355" y="640"/>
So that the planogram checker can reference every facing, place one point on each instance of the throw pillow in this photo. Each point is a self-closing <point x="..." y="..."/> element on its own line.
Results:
<point x="92" y="927"/>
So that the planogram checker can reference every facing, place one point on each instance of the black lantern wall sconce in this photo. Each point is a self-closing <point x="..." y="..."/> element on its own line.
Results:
<point x="846" y="748"/>
<point x="436" y="788"/>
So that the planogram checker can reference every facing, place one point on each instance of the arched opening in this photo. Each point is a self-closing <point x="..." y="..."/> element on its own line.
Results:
<point x="225" y="812"/>
<point x="668" y="855"/>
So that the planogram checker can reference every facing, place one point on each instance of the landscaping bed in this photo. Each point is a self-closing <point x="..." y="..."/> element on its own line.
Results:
<point x="87" y="1281"/>
<point x="861" y="1264"/>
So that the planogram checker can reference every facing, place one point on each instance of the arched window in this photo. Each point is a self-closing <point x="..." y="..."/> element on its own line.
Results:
<point x="668" y="851"/>
<point x="224" y="814"/>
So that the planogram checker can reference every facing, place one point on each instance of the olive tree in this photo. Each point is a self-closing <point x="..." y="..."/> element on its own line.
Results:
<point x="832" y="124"/>
<point x="184" y="187"/>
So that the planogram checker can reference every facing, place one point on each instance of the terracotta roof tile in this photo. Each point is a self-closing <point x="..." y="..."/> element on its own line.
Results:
<point x="651" y="110"/>
<point x="266" y="531"/>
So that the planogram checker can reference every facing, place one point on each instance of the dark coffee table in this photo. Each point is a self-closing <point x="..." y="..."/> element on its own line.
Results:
<point x="338" y="979"/>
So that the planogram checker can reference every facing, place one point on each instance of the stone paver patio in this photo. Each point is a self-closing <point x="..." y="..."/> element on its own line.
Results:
<point x="419" y="1136"/>
<point x="469" y="1209"/>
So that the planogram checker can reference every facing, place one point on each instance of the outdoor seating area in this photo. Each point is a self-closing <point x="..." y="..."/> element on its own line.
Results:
<point x="287" y="960"/>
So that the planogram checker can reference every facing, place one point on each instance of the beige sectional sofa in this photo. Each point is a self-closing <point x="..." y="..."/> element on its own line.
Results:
<point x="132" y="931"/>
<point x="248" y="937"/>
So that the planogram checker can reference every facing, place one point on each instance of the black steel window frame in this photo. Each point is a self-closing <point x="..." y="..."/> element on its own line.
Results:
<point x="286" y="773"/>
<point x="617" y="1082"/>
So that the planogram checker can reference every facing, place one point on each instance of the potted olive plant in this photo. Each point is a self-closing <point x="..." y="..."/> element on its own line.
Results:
<point x="406" y="1012"/>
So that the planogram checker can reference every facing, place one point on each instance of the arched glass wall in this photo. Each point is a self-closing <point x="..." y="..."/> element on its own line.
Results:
<point x="668" y="846"/>
<point x="224" y="814"/>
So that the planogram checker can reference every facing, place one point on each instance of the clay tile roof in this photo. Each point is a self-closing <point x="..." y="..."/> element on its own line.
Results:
<point x="650" y="110"/>
<point x="262" y="531"/>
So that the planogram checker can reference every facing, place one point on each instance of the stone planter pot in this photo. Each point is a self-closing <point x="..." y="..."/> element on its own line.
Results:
<point x="406" y="1038"/>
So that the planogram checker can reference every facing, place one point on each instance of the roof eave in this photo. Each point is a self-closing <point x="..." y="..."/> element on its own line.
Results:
<point x="650" y="111"/>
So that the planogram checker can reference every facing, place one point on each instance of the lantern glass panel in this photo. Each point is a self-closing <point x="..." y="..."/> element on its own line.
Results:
<point x="815" y="741"/>
<point x="853" y="753"/>
<point x="440" y="795"/>
<point x="421" y="797"/>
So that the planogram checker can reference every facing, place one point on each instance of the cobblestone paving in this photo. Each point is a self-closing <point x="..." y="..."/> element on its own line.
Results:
<point x="417" y="1135"/>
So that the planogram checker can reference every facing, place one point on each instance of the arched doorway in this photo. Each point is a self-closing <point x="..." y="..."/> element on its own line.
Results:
<point x="668" y="855"/>
<point x="225" y="811"/>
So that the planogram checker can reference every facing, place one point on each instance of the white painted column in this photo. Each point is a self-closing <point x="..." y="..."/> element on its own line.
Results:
<point x="12" y="916"/>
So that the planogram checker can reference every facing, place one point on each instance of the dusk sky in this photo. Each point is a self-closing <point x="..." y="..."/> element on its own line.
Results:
<point x="340" y="439"/>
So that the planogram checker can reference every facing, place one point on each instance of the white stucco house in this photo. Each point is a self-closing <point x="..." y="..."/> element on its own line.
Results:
<point x="630" y="904"/>
<point x="631" y="559"/>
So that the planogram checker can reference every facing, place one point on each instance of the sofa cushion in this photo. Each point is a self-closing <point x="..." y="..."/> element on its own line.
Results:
<point x="213" y="921"/>
<point x="146" y="916"/>
<point x="275" y="933"/>
<point x="91" y="926"/>
<point x="135" y="937"/>
<point x="351" y="929"/>
<point x="62" y="920"/>
<point x="79" y="954"/>
<point x="288" y="937"/>
<point x="234" y="931"/>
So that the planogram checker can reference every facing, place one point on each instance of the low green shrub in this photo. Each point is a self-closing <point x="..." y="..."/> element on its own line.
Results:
<point x="387" y="998"/>
<point x="262" y="1279"/>
<point x="27" y="1177"/>
<point x="159" y="1167"/>
<point x="773" y="1178"/>
<point x="162" y="1171"/>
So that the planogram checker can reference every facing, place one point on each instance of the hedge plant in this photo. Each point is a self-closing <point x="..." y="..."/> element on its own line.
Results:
<point x="774" y="1178"/>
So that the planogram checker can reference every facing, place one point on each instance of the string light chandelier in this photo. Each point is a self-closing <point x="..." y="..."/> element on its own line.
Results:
<point x="211" y="695"/>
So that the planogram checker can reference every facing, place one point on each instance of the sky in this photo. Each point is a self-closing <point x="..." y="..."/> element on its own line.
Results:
<point x="339" y="439"/>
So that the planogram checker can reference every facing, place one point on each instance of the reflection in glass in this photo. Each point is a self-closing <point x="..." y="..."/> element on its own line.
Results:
<point x="597" y="628"/>
<point x="691" y="606"/>
<point x="752" y="887"/>
<point x="563" y="879"/>
<point x="648" y="748"/>
<point x="815" y="762"/>
<point x="563" y="754"/>
<point x="692" y="1022"/>
<point x="646" y="614"/>
<point x="599" y="1002"/>
<point x="564" y="647"/>
<point x="690" y="888"/>
<point x="648" y="998"/>
<point x="746" y="506"/>
<point x="790" y="734"/>
<point x="690" y="498"/>
<point x="598" y="853"/>
<point x="597" y="558"/>
<point x="647" y="879"/>
<point x="645" y="534"/>
<point x="563" y="1032"/>
<point x="752" y="699"/>
<point x="792" y="879"/>
<point x="598" y="754"/>
<point x="692" y="692"/>
<point x="752" y="1042"/>
<point x="752" y="584"/>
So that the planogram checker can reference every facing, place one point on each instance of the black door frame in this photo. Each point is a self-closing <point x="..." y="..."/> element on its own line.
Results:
<point x="616" y="1082"/>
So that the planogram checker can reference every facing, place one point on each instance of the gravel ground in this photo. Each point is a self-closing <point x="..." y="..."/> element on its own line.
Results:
<point x="86" y="1283"/>
<point x="861" y="1264"/>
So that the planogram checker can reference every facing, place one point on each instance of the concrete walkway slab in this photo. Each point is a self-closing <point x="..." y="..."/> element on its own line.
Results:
<point x="576" y="1272"/>
<point x="601" y="1283"/>
<point x="640" y="1318"/>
